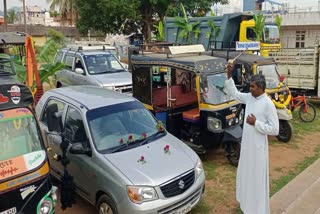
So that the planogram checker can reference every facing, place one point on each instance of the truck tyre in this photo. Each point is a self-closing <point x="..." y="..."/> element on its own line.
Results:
<point x="106" y="205"/>
<point x="232" y="150"/>
<point x="285" y="131"/>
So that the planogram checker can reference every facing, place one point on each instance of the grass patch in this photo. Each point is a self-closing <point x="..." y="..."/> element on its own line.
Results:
<point x="276" y="185"/>
<point x="210" y="170"/>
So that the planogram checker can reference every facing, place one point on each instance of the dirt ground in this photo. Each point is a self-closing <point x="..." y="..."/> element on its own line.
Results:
<point x="220" y="189"/>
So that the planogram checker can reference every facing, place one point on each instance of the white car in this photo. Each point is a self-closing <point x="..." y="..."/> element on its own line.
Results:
<point x="121" y="158"/>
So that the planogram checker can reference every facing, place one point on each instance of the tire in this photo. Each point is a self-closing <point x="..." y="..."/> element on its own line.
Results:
<point x="307" y="116"/>
<point x="232" y="151"/>
<point x="285" y="131"/>
<point x="106" y="205"/>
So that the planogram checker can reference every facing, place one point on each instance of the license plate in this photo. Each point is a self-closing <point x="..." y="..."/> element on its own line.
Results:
<point x="184" y="209"/>
<point x="12" y="210"/>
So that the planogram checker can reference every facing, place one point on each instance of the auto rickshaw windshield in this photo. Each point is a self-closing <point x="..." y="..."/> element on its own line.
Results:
<point x="270" y="73"/>
<point x="18" y="133"/>
<point x="212" y="88"/>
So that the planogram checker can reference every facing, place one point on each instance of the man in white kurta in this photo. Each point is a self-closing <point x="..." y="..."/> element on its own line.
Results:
<point x="260" y="121"/>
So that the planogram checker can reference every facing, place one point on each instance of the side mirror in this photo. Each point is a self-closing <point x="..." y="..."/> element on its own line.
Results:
<point x="79" y="71"/>
<point x="77" y="148"/>
<point x="54" y="119"/>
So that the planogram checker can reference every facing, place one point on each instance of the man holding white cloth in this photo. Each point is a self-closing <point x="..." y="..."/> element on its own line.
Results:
<point x="261" y="120"/>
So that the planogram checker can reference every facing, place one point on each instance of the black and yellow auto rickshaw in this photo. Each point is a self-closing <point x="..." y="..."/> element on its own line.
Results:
<point x="185" y="91"/>
<point x="25" y="185"/>
<point x="247" y="65"/>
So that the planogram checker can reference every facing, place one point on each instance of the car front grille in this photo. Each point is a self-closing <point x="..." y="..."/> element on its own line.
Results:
<point x="191" y="199"/>
<point x="124" y="88"/>
<point x="178" y="185"/>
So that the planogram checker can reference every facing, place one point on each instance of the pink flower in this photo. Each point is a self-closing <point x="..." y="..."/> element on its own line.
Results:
<point x="130" y="137"/>
<point x="121" y="141"/>
<point x="166" y="149"/>
<point x="142" y="160"/>
<point x="144" y="135"/>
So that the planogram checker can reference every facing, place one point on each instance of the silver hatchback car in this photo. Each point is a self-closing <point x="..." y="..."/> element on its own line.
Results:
<point x="121" y="158"/>
<point x="92" y="66"/>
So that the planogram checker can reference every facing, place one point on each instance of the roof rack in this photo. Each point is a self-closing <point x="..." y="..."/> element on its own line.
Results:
<point x="171" y="49"/>
<point x="89" y="46"/>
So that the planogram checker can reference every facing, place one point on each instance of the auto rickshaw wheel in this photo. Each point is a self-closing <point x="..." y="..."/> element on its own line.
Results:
<point x="232" y="150"/>
<point x="285" y="131"/>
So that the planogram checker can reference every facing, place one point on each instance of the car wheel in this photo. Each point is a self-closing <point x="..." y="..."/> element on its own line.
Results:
<point x="106" y="205"/>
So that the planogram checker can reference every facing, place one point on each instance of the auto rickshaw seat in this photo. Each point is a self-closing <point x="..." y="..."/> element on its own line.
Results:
<point x="192" y="115"/>
<point x="181" y="98"/>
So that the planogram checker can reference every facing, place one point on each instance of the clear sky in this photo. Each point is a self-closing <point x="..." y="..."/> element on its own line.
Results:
<point x="43" y="3"/>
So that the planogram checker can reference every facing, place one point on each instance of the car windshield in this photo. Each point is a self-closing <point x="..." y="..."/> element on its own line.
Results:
<point x="20" y="146"/>
<point x="271" y="34"/>
<point x="271" y="75"/>
<point x="113" y="126"/>
<point x="102" y="64"/>
<point x="212" y="90"/>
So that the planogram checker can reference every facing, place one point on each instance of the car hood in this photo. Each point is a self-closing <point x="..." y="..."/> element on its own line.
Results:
<point x="114" y="79"/>
<point x="159" y="166"/>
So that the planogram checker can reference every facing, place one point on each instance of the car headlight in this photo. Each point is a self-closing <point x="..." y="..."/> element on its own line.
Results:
<point x="198" y="168"/>
<point x="214" y="124"/>
<point x="139" y="194"/>
<point x="46" y="206"/>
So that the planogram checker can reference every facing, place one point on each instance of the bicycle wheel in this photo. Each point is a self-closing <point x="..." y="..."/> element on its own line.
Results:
<point x="309" y="115"/>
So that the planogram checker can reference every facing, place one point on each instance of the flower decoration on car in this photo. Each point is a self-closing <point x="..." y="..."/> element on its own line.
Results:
<point x="166" y="149"/>
<point x="142" y="160"/>
<point x="160" y="127"/>
<point x="144" y="135"/>
<point x="121" y="141"/>
<point x="130" y="138"/>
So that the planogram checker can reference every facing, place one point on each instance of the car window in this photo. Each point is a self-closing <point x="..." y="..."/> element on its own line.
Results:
<point x="74" y="128"/>
<point x="58" y="57"/>
<point x="60" y="105"/>
<point x="102" y="63"/>
<point x="78" y="63"/>
<point x="68" y="61"/>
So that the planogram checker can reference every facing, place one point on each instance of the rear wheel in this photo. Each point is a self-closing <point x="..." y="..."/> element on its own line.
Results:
<point x="232" y="150"/>
<point x="309" y="114"/>
<point x="285" y="131"/>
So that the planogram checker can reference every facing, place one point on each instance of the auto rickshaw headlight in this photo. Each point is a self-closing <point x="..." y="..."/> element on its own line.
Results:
<point x="214" y="124"/>
<point x="198" y="168"/>
<point x="46" y="206"/>
<point x="241" y="115"/>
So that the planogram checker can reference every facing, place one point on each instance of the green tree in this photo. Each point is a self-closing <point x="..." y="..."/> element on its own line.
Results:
<point x="67" y="9"/>
<point x="128" y="16"/>
<point x="278" y="22"/>
<point x="259" y="25"/>
<point x="186" y="28"/>
<point x="12" y="16"/>
<point x="160" y="35"/>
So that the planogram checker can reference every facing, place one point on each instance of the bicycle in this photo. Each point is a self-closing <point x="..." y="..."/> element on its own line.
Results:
<point x="307" y="111"/>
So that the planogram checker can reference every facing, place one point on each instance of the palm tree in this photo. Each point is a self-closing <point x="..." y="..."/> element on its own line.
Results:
<point x="67" y="8"/>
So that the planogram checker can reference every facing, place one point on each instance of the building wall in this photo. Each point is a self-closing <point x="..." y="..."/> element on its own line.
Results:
<point x="248" y="5"/>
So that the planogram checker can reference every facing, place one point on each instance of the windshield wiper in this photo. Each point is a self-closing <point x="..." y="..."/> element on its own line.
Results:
<point x="122" y="147"/>
<point x="153" y="137"/>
